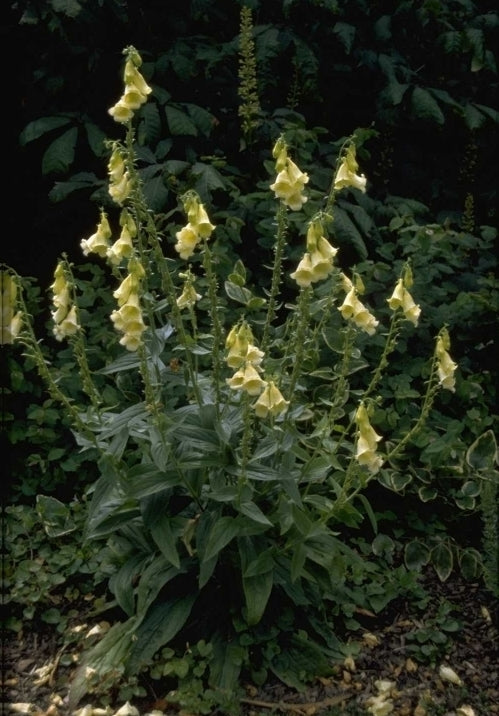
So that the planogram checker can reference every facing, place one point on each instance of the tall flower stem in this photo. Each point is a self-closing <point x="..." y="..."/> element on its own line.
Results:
<point x="276" y="273"/>
<point x="302" y="323"/>
<point x="216" y="325"/>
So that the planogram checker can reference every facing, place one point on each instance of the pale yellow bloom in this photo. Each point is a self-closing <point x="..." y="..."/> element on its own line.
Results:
<point x="68" y="326"/>
<point x="271" y="401"/>
<point x="289" y="185"/>
<point x="98" y="243"/>
<point x="122" y="248"/>
<point x="11" y="323"/>
<point x="128" y="320"/>
<point x="353" y="309"/>
<point x="304" y="273"/>
<point x="446" y="366"/>
<point x="135" y="93"/>
<point x="188" y="297"/>
<point x="401" y="298"/>
<point x="198" y="219"/>
<point x="346" y="175"/>
<point x="367" y="440"/>
<point x="248" y="379"/>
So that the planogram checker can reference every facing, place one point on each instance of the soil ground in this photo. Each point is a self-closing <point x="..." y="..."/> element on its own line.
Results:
<point x="36" y="683"/>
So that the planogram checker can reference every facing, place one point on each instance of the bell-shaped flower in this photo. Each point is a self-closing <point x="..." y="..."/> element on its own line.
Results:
<point x="68" y="326"/>
<point x="289" y="185"/>
<point x="248" y="379"/>
<point x="197" y="217"/>
<point x="98" y="243"/>
<point x="188" y="297"/>
<point x="121" y="112"/>
<point x="346" y="175"/>
<point x="354" y="310"/>
<point x="11" y="321"/>
<point x="135" y="81"/>
<point x="125" y="289"/>
<point x="401" y="298"/>
<point x="367" y="440"/>
<point x="187" y="240"/>
<point x="121" y="249"/>
<point x="304" y="274"/>
<point x="128" y="320"/>
<point x="446" y="366"/>
<point x="271" y="401"/>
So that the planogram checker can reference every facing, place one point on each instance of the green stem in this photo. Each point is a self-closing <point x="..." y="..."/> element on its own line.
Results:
<point x="216" y="325"/>
<point x="276" y="273"/>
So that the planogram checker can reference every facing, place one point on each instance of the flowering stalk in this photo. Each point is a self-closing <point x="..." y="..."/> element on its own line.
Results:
<point x="276" y="272"/>
<point x="216" y="325"/>
<point x="441" y="376"/>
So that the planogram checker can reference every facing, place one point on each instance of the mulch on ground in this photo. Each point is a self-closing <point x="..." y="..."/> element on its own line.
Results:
<point x="389" y="672"/>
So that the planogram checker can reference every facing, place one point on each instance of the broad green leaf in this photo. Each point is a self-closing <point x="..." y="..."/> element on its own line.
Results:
<point x="346" y="232"/>
<point x="473" y="117"/>
<point x="41" y="126"/>
<point x="470" y="563"/>
<point x="257" y="590"/>
<point x="55" y="516"/>
<point x="297" y="561"/>
<point x="237" y="293"/>
<point x="83" y="180"/>
<point x="122" y="582"/>
<point x="162" y="534"/>
<point x="425" y="106"/>
<point x="96" y="139"/>
<point x="153" y="579"/>
<point x="208" y="178"/>
<point x="60" y="154"/>
<point x="482" y="454"/>
<point x="416" y="555"/>
<point x="442" y="560"/>
<point x="179" y="122"/>
<point x="203" y="119"/>
<point x="382" y="545"/>
<point x="155" y="192"/>
<point x="222" y="532"/>
<point x="161" y="624"/>
<point x="149" y="129"/>
<point x="426" y="494"/>
<point x="346" y="34"/>
<point x="251" y="510"/>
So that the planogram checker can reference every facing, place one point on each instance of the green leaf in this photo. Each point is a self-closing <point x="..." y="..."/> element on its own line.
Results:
<point x="60" y="154"/>
<point x="122" y="582"/>
<point x="55" y="516"/>
<point x="257" y="590"/>
<point x="208" y="178"/>
<point x="222" y="532"/>
<point x="149" y="129"/>
<point x="442" y="560"/>
<point x="251" y="510"/>
<point x="470" y="563"/>
<point x="346" y="34"/>
<point x="82" y="180"/>
<point x="96" y="139"/>
<point x="237" y="293"/>
<point x="425" y="106"/>
<point x="473" y="117"/>
<point x="162" y="534"/>
<point x="416" y="555"/>
<point x="346" y="232"/>
<point x="179" y="123"/>
<point x="155" y="192"/>
<point x="39" y="127"/>
<point x="161" y="624"/>
<point x="426" y="494"/>
<point x="203" y="119"/>
<point x="482" y="454"/>
<point x="382" y="545"/>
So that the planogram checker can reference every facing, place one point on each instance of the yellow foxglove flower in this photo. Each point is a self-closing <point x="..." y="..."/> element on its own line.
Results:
<point x="367" y="440"/>
<point x="98" y="243"/>
<point x="401" y="298"/>
<point x="11" y="322"/>
<point x="68" y="326"/>
<point x="188" y="297"/>
<point x="446" y="366"/>
<point x="121" y="112"/>
<point x="128" y="320"/>
<point x="346" y="175"/>
<point x="198" y="218"/>
<point x="271" y="402"/>
<point x="121" y="249"/>
<point x="125" y="290"/>
<point x="187" y="240"/>
<point x="353" y="309"/>
<point x="134" y="80"/>
<point x="248" y="379"/>
<point x="304" y="274"/>
<point x="289" y="185"/>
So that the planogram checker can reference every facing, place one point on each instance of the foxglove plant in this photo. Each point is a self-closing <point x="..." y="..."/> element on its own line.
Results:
<point x="230" y="477"/>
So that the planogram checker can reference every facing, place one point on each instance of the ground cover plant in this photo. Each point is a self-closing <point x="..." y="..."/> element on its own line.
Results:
<point x="235" y="435"/>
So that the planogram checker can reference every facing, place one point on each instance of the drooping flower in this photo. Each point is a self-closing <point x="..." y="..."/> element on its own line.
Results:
<point x="198" y="226"/>
<point x="353" y="309"/>
<point x="401" y="298"/>
<point x="248" y="379"/>
<point x="290" y="181"/>
<point x="367" y="440"/>
<point x="241" y="347"/>
<point x="188" y="297"/>
<point x="270" y="402"/>
<point x="98" y="243"/>
<point x="317" y="262"/>
<point x="128" y="318"/>
<point x="136" y="89"/>
<point x="119" y="178"/>
<point x="11" y="320"/>
<point x="64" y="316"/>
<point x="446" y="366"/>
<point x="346" y="175"/>
<point x="123" y="246"/>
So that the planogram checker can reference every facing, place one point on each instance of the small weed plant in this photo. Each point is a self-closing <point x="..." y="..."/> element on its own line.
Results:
<point x="234" y="450"/>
